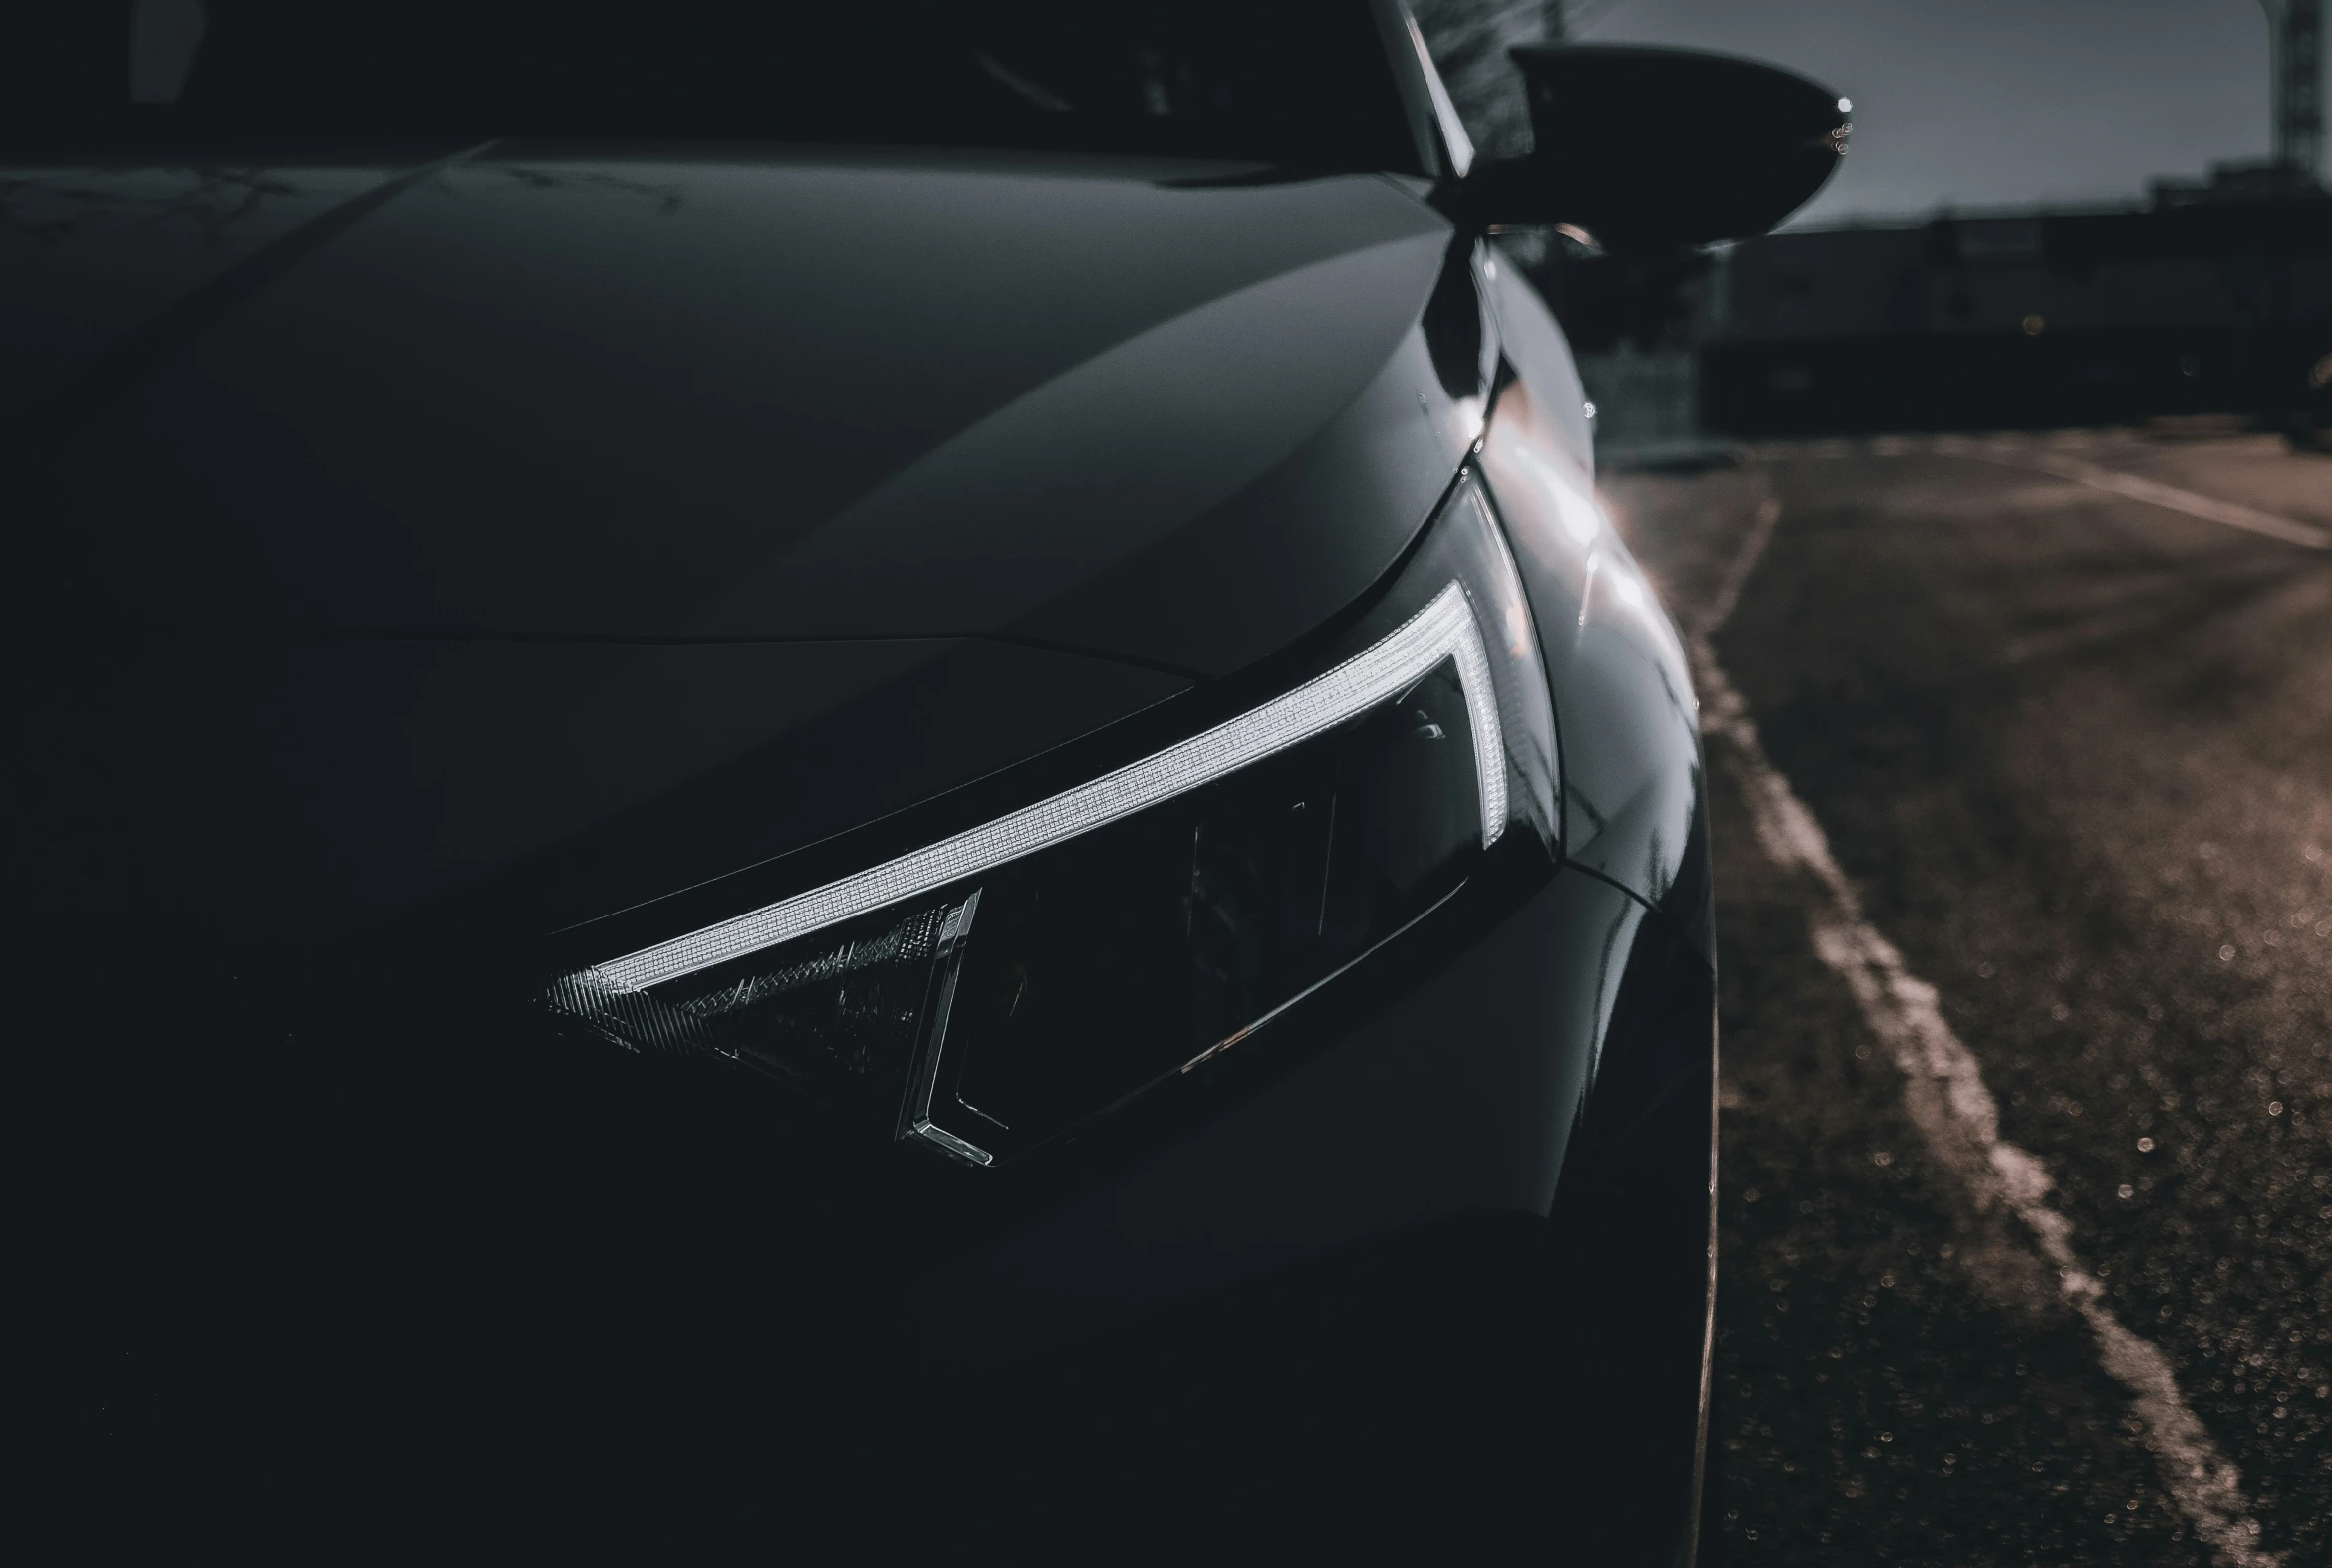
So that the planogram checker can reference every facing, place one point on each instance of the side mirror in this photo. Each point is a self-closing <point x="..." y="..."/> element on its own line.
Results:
<point x="1645" y="148"/>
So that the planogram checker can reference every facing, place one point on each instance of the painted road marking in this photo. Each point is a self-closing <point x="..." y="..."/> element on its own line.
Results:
<point x="2012" y="452"/>
<point x="2290" y="530"/>
<point x="1944" y="1093"/>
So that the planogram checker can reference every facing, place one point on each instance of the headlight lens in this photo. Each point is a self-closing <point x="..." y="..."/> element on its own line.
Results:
<point x="995" y="989"/>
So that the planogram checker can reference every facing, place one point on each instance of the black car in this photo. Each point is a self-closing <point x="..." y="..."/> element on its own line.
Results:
<point x="889" y="758"/>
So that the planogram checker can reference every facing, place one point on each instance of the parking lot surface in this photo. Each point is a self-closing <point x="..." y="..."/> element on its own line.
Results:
<point x="2023" y="750"/>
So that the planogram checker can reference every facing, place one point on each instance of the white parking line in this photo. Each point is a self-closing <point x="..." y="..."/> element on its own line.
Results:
<point x="2290" y="530"/>
<point x="1948" y="1102"/>
<point x="1744" y="561"/>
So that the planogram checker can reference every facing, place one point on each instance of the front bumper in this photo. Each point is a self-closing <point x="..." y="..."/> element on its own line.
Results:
<point x="1451" y="1224"/>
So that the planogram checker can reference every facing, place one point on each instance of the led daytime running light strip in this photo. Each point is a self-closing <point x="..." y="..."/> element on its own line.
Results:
<point x="1444" y="628"/>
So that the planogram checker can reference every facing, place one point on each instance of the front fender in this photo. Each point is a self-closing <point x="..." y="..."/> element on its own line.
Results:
<point x="1634" y="789"/>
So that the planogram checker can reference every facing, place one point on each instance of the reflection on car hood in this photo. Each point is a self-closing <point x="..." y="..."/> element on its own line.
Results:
<point x="1165" y="412"/>
<point x="277" y="791"/>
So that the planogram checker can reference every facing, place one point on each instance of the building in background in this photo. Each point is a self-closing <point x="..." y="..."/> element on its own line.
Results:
<point x="2216" y="298"/>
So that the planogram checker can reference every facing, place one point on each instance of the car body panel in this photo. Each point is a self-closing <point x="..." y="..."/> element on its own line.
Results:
<point x="1455" y="1099"/>
<point x="491" y="544"/>
<point x="270" y="791"/>
<point x="867" y="396"/>
<point x="1533" y="342"/>
<point x="1633" y="792"/>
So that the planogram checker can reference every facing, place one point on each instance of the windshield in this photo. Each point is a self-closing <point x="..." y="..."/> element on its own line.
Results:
<point x="1293" y="82"/>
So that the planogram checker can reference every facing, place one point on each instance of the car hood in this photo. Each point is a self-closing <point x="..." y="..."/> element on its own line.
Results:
<point x="1171" y="414"/>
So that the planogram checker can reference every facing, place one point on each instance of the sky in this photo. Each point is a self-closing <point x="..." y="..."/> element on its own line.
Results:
<point x="1976" y="104"/>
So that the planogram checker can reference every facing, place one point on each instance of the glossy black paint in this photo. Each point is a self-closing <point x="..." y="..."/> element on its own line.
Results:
<point x="1410" y="1216"/>
<point x="1381" y="1266"/>
<point x="304" y="790"/>
<point x="614" y="537"/>
<point x="1634" y="797"/>
<point x="834" y="394"/>
<point x="556" y="531"/>
<point x="1651" y="149"/>
<point x="1374" y="1128"/>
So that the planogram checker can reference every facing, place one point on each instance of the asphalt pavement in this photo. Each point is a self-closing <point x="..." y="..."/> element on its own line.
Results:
<point x="2023" y="762"/>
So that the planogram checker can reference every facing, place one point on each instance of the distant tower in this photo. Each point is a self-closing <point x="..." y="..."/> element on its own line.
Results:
<point x="2295" y="43"/>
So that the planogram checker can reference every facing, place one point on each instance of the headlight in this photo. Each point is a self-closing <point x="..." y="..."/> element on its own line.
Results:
<point x="997" y="986"/>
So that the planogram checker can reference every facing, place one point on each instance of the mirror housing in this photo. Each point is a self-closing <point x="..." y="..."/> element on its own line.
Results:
<point x="1649" y="148"/>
